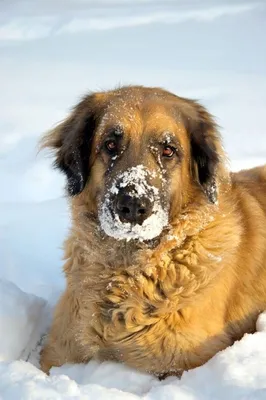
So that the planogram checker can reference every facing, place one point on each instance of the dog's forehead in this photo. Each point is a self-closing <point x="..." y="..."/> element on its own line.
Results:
<point x="141" y="115"/>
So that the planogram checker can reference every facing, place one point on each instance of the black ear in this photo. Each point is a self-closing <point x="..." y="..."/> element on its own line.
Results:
<point x="206" y="150"/>
<point x="72" y="142"/>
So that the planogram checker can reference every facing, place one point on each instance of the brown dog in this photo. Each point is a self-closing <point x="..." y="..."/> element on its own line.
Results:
<point x="166" y="258"/>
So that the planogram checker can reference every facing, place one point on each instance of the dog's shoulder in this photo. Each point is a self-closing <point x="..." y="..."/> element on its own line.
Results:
<point x="254" y="175"/>
<point x="250" y="186"/>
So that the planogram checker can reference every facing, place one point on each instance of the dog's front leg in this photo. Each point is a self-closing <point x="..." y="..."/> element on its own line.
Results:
<point x="61" y="346"/>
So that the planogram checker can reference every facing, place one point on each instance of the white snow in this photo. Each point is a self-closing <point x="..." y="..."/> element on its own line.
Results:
<point x="20" y="316"/>
<point x="136" y="179"/>
<point x="51" y="53"/>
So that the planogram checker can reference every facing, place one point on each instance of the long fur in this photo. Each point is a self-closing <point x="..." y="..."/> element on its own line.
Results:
<point x="169" y="305"/>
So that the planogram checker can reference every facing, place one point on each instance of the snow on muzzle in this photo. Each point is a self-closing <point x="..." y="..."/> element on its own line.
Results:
<point x="132" y="207"/>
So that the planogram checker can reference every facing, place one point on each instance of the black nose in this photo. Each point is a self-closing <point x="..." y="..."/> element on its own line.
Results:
<point x="133" y="209"/>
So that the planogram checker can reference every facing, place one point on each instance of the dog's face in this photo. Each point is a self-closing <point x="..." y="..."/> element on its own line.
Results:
<point x="138" y="156"/>
<point x="138" y="147"/>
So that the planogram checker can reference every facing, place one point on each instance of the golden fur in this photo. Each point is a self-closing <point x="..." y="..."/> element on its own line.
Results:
<point x="170" y="304"/>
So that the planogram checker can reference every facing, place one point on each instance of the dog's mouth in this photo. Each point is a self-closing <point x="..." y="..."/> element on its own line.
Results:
<point x="132" y="208"/>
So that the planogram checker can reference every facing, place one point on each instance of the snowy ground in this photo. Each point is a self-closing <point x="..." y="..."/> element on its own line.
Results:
<point x="51" y="52"/>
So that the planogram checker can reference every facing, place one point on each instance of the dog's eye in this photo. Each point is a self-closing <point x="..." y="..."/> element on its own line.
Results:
<point x="111" y="146"/>
<point x="168" y="151"/>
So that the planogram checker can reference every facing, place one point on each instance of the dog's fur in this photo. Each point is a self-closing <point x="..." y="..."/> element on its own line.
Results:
<point x="171" y="303"/>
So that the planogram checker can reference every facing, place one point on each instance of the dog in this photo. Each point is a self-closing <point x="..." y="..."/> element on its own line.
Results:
<point x="165" y="262"/>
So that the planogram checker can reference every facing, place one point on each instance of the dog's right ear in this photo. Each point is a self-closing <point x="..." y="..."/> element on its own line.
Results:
<point x="72" y="141"/>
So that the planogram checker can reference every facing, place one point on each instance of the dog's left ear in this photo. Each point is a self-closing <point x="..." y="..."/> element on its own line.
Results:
<point x="72" y="141"/>
<point x="206" y="149"/>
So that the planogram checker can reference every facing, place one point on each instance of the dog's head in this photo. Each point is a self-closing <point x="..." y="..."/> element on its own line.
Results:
<point x="137" y="156"/>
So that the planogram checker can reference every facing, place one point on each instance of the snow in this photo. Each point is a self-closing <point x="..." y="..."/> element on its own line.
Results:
<point x="52" y="52"/>
<point x="20" y="315"/>
<point x="135" y="178"/>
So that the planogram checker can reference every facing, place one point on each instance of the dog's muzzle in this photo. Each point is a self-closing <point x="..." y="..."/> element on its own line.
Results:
<point x="132" y="207"/>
